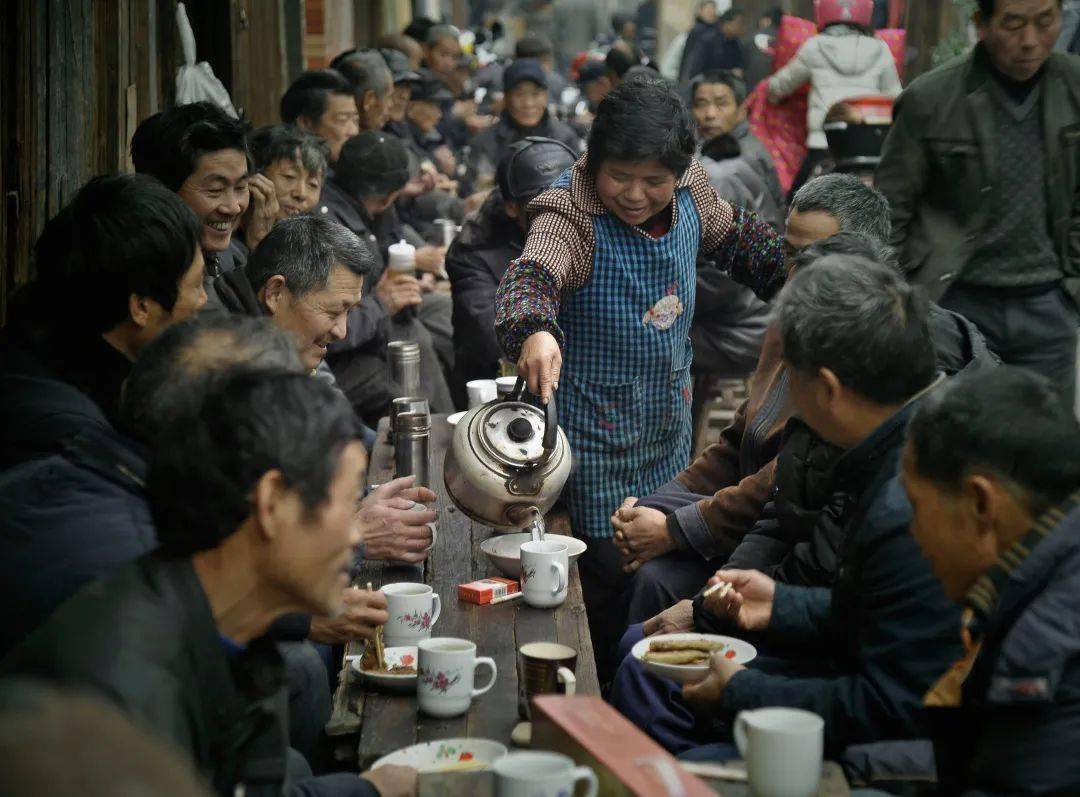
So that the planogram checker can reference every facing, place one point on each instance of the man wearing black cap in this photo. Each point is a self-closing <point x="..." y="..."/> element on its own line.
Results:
<point x="370" y="174"/>
<point x="539" y="47"/>
<point x="429" y="100"/>
<point x="490" y="239"/>
<point x="594" y="82"/>
<point x="525" y="92"/>
<point x="404" y="76"/>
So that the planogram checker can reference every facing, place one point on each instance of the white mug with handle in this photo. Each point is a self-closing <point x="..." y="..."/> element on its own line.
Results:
<point x="783" y="750"/>
<point x="538" y="774"/>
<point x="413" y="608"/>
<point x="446" y="671"/>
<point x="544" y="566"/>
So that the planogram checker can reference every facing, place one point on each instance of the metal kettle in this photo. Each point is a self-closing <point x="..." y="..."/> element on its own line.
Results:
<point x="507" y="462"/>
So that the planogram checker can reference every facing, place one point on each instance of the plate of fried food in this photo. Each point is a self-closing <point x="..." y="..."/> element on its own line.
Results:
<point x="685" y="657"/>
<point x="390" y="668"/>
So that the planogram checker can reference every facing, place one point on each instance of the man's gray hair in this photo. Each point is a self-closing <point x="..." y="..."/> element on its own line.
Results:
<point x="366" y="70"/>
<point x="862" y="321"/>
<point x="314" y="153"/>
<point x="178" y="367"/>
<point x="304" y="250"/>
<point x="855" y="206"/>
<point x="439" y="32"/>
<point x="846" y="243"/>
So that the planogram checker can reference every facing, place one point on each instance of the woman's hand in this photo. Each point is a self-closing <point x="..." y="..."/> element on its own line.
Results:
<point x="540" y="364"/>
<point x="262" y="212"/>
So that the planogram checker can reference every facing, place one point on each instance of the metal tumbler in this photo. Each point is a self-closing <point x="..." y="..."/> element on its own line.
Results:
<point x="412" y="447"/>
<point x="404" y="356"/>
<point x="405" y="404"/>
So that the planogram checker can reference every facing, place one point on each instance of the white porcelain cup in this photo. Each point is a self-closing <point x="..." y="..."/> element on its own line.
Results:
<point x="413" y="608"/>
<point x="537" y="774"/>
<point x="402" y="257"/>
<point x="783" y="749"/>
<point x="544" y="571"/>
<point x="418" y="507"/>
<point x="504" y="385"/>
<point x="445" y="674"/>
<point x="481" y="391"/>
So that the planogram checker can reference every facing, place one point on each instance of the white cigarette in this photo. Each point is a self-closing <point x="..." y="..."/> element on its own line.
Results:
<point x="505" y="598"/>
<point x="725" y="586"/>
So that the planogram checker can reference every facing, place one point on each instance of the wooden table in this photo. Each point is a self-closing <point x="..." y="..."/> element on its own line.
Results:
<point x="388" y="722"/>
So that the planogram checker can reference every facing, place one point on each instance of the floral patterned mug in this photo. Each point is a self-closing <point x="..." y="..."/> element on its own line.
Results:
<point x="446" y="673"/>
<point x="413" y="610"/>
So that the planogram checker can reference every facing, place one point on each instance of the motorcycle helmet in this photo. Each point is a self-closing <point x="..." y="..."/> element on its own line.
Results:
<point x="855" y="12"/>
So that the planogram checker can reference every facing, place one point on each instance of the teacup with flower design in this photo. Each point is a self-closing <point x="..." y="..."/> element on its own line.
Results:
<point x="413" y="608"/>
<point x="447" y="671"/>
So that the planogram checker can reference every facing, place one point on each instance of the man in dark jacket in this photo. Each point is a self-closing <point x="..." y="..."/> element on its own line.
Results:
<point x="858" y="353"/>
<point x="525" y="93"/>
<point x="703" y="30"/>
<point x="176" y="639"/>
<point x="993" y="475"/>
<point x="115" y="267"/>
<point x="490" y="239"/>
<point x="982" y="170"/>
<point x="689" y="528"/>
<point x="372" y="171"/>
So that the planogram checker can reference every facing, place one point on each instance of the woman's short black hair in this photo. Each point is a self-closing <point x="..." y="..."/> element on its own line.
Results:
<point x="642" y="119"/>
<point x="207" y="459"/>
<point x="122" y="234"/>
<point x="272" y="143"/>
<point x="168" y="144"/>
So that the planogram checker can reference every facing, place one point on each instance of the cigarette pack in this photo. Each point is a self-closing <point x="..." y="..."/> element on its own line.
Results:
<point x="487" y="589"/>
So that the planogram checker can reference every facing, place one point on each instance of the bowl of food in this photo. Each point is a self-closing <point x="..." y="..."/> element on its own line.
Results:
<point x="447" y="755"/>
<point x="504" y="550"/>
<point x="685" y="657"/>
<point x="397" y="671"/>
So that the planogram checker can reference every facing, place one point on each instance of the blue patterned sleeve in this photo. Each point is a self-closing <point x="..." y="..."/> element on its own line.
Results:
<point x="752" y="253"/>
<point x="527" y="302"/>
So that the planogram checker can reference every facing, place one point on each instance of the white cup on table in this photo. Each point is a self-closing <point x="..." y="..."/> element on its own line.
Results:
<point x="783" y="750"/>
<point x="481" y="391"/>
<point x="544" y="573"/>
<point x="504" y="385"/>
<point x="413" y="608"/>
<point x="538" y="774"/>
<point x="446" y="672"/>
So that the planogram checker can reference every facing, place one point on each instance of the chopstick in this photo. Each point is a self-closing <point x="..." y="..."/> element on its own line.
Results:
<point x="725" y="586"/>
<point x="380" y="656"/>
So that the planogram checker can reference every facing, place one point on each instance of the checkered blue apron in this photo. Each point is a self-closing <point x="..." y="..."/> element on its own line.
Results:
<point x="624" y="392"/>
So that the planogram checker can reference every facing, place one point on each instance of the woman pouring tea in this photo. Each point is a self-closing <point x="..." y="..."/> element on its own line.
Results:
<point x="599" y="306"/>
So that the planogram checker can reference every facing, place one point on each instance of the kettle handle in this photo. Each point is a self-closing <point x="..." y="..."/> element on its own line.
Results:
<point x="551" y="422"/>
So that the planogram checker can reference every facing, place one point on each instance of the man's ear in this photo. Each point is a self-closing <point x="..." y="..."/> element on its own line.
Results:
<point x="268" y="503"/>
<point x="830" y="387"/>
<point x="305" y="124"/>
<point x="368" y="101"/>
<point x="275" y="294"/>
<point x="141" y="309"/>
<point x="513" y="210"/>
<point x="979" y="21"/>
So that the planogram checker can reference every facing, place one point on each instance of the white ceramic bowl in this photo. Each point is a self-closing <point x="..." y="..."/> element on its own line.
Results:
<point x="445" y="754"/>
<point x="395" y="657"/>
<point x="735" y="649"/>
<point x="453" y="419"/>
<point x="504" y="550"/>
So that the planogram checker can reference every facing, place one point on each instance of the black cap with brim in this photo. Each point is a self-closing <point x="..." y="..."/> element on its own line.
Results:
<point x="430" y="88"/>
<point x="590" y="71"/>
<point x="373" y="163"/>
<point x="524" y="69"/>
<point x="531" y="167"/>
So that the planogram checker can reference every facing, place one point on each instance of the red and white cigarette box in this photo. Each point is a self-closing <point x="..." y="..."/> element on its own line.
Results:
<point x="487" y="590"/>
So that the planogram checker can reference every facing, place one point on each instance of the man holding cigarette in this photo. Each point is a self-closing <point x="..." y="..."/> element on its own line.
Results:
<point x="861" y="654"/>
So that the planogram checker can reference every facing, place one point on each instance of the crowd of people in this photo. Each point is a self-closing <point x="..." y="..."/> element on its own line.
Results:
<point x="189" y="384"/>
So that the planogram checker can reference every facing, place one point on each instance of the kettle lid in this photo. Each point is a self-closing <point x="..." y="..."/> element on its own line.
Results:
<point x="513" y="432"/>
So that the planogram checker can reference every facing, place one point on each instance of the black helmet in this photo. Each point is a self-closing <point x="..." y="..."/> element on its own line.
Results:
<point x="372" y="164"/>
<point x="531" y="166"/>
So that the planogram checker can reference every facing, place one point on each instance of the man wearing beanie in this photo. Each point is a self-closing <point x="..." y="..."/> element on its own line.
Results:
<point x="369" y="176"/>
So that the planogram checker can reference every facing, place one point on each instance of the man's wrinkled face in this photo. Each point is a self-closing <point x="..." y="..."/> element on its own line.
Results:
<point x="317" y="318"/>
<point x="946" y="529"/>
<point x="1020" y="35"/>
<point x="296" y="188"/>
<point x="399" y="102"/>
<point x="806" y="228"/>
<point x="635" y="191"/>
<point x="218" y="193"/>
<point x="715" y="110"/>
<point x="340" y="122"/>
<point x="376" y="109"/>
<point x="312" y="554"/>
<point x="526" y="103"/>
<point x="442" y="57"/>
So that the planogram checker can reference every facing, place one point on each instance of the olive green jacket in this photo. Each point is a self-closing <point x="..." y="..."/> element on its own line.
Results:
<point x="939" y="167"/>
